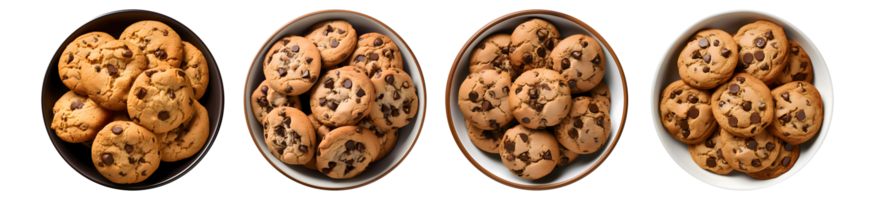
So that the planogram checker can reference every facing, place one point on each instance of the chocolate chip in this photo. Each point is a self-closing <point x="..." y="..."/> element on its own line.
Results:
<point x="765" y="66"/>
<point x="684" y="124"/>
<point x="733" y="88"/>
<point x="759" y="42"/>
<point x="296" y="48"/>
<point x="116" y="130"/>
<point x="526" y="120"/>
<point x="69" y="57"/>
<point x="703" y="43"/>
<point x="576" y="54"/>
<point x="597" y="59"/>
<point x="360" y="93"/>
<point x="334" y="43"/>
<point x="696" y="55"/>
<point x="524" y="156"/>
<point x="593" y="108"/>
<point x="374" y="56"/>
<point x="541" y="52"/>
<point x="769" y="35"/>
<point x="308" y="60"/>
<point x="347" y="83"/>
<point x="788" y="146"/>
<point x="129" y="148"/>
<point x="572" y="83"/>
<point x="565" y="64"/>
<point x="756" y="163"/>
<point x="76" y="105"/>
<point x="578" y="123"/>
<point x="710" y="144"/>
<point x="527" y="57"/>
<point x="786" y="161"/>
<point x="770" y="146"/>
<point x="473" y="96"/>
<point x="720" y="153"/>
<point x="747" y="58"/>
<point x="160" y="54"/>
<point x="572" y="133"/>
<point x="390" y="79"/>
<point x="751" y="143"/>
<point x="282" y="72"/>
<point x="733" y="122"/>
<point x="693" y="113"/>
<point x="332" y="105"/>
<point x="755" y="118"/>
<point x="509" y="146"/>
<point x="107" y="158"/>
<point x="165" y="32"/>
<point x="128" y="54"/>
<point x="801" y="115"/>
<point x="759" y="55"/>
<point x="163" y="115"/>
<point x="378" y="42"/>
<point x="707" y="58"/>
<point x="329" y="83"/>
<point x="395" y="95"/>
<point x="746" y="105"/>
<point x="141" y="93"/>
<point x="693" y="99"/>
<point x="541" y="34"/>
<point x="711" y="162"/>
<point x="786" y="97"/>
<point x="524" y="137"/>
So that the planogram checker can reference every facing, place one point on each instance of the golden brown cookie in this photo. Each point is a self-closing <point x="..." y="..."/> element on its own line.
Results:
<point x="587" y="127"/>
<point x="347" y="151"/>
<point x="708" y="59"/>
<point x="602" y="93"/>
<point x="395" y="102"/>
<point x="159" y="42"/>
<point x="75" y="56"/>
<point x="188" y="138"/>
<point x="540" y="98"/>
<point x="161" y="99"/>
<point x="195" y="66"/>
<point x="751" y="154"/>
<point x="786" y="159"/>
<point x="125" y="152"/>
<point x="743" y="106"/>
<point x="798" y="66"/>
<point x="709" y="154"/>
<point x="289" y="135"/>
<point x="762" y="50"/>
<point x="686" y="112"/>
<point x="798" y="112"/>
<point x="376" y="51"/>
<point x="483" y="99"/>
<point x="342" y="97"/>
<point x="77" y="118"/>
<point x="531" y="43"/>
<point x="265" y="99"/>
<point x="335" y="39"/>
<point x="488" y="140"/>
<point x="529" y="153"/>
<point x="579" y="59"/>
<point x="492" y="53"/>
<point x="292" y="65"/>
<point x="113" y="68"/>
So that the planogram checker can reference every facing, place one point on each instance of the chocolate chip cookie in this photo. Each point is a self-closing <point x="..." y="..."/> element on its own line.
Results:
<point x="750" y="154"/>
<point x="709" y="59"/>
<point x="395" y="102"/>
<point x="799" y="112"/>
<point x="388" y="137"/>
<point x="586" y="128"/>
<point x="113" y="68"/>
<point x="579" y="59"/>
<point x="161" y="99"/>
<point x="159" y="42"/>
<point x="488" y="140"/>
<point x="376" y="51"/>
<point x="686" y="112"/>
<point x="602" y="93"/>
<point x="289" y="135"/>
<point x="529" y="153"/>
<point x="483" y="99"/>
<point x="187" y="139"/>
<point x="195" y="66"/>
<point x="347" y="151"/>
<point x="762" y="50"/>
<point x="125" y="152"/>
<point x="75" y="56"/>
<point x="493" y="53"/>
<point x="743" y="106"/>
<point x="342" y="97"/>
<point x="798" y="66"/>
<point x="265" y="99"/>
<point x="292" y="65"/>
<point x="531" y="43"/>
<point x="335" y="39"/>
<point x="540" y="98"/>
<point x="709" y="154"/>
<point x="787" y="156"/>
<point x="565" y="156"/>
<point x="77" y="118"/>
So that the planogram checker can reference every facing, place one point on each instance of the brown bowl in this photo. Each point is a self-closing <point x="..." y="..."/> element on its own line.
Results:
<point x="490" y="164"/>
<point x="407" y="135"/>
<point x="77" y="155"/>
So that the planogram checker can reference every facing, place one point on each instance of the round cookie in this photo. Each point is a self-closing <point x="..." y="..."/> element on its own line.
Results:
<point x="75" y="56"/>
<point x="762" y="50"/>
<point x="743" y="106"/>
<point x="125" y="152"/>
<point x="292" y="65"/>
<point x="335" y="39"/>
<point x="159" y="42"/>
<point x="709" y="154"/>
<point x="161" y="99"/>
<point x="187" y="139"/>
<point x="786" y="159"/>
<point x="289" y="135"/>
<point x="483" y="99"/>
<point x="798" y="66"/>
<point x="77" y="118"/>
<point x="750" y="154"/>
<point x="586" y="128"/>
<point x="565" y="156"/>
<point x="347" y="151"/>
<point x="265" y="99"/>
<point x="376" y="51"/>
<point x="531" y="43"/>
<point x="395" y="102"/>
<point x="686" y="112"/>
<point x="342" y="97"/>
<point x="798" y="112"/>
<point x="579" y="59"/>
<point x="528" y="153"/>
<point x="540" y="98"/>
<point x="195" y="66"/>
<point x="602" y="93"/>
<point x="488" y="140"/>
<point x="492" y="53"/>
<point x="709" y="59"/>
<point x="388" y="137"/>
<point x="114" y="67"/>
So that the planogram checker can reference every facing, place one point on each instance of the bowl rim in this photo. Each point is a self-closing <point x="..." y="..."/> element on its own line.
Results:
<point x="424" y="99"/>
<point x="213" y="133"/>
<point x="471" y="42"/>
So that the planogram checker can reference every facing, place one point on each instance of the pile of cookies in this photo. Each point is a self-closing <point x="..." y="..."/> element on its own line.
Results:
<point x="133" y="101"/>
<point x="354" y="111"/>
<point x="535" y="99"/>
<point x="745" y="101"/>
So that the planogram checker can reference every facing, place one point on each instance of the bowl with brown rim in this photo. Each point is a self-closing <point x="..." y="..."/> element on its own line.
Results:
<point x="490" y="164"/>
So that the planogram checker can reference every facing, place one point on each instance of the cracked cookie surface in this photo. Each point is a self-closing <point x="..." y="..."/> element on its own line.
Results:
<point x="395" y="100"/>
<point x="579" y="59"/>
<point x="195" y="66"/>
<point x="335" y="39"/>
<point x="708" y="59"/>
<point x="78" y="118"/>
<point x="488" y="140"/>
<point x="347" y="151"/>
<point x="798" y="66"/>
<point x="483" y="99"/>
<point x="686" y="112"/>
<point x="529" y="153"/>
<point x="376" y="51"/>
<point x="493" y="53"/>
<point x="161" y="99"/>
<point x="188" y="138"/>
<point x="709" y="154"/>
<point x="601" y="93"/>
<point x="586" y="128"/>
<point x="762" y="50"/>
<point x="751" y="154"/>
<point x="531" y="43"/>
<point x="743" y="106"/>
<point x="265" y="99"/>
<point x="565" y="156"/>
<point x="798" y="112"/>
<point x="159" y="42"/>
<point x="787" y="156"/>
<point x="75" y="57"/>
<point x="388" y="137"/>
<point x="342" y="97"/>
<point x="292" y="65"/>
<point x="125" y="152"/>
<point x="289" y="135"/>
<point x="113" y="68"/>
<point x="540" y="98"/>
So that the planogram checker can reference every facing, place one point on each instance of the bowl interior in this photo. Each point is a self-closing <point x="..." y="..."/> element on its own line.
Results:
<point x="492" y="162"/>
<point x="406" y="135"/>
<point x="79" y="156"/>
<point x="668" y="73"/>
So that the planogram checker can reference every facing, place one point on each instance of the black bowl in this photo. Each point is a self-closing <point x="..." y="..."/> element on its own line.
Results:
<point x="77" y="155"/>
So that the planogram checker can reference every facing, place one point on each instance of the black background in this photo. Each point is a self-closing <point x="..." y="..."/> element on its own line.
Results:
<point x="435" y="32"/>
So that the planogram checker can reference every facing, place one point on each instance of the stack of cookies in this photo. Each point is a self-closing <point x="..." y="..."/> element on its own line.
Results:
<point x="536" y="99"/>
<point x="354" y="111"/>
<point x="744" y="101"/>
<point x="133" y="101"/>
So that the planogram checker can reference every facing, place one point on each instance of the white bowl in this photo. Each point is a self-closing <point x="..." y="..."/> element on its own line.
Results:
<point x="407" y="135"/>
<point x="489" y="163"/>
<point x="667" y="72"/>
